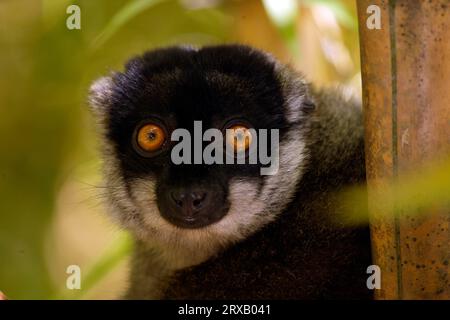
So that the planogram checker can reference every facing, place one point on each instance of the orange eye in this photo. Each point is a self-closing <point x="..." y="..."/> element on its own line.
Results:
<point x="150" y="137"/>
<point x="240" y="137"/>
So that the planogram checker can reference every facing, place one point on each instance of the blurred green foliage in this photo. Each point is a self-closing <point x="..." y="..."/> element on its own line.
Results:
<point x="45" y="129"/>
<point x="107" y="262"/>
<point x="427" y="187"/>
<point x="45" y="72"/>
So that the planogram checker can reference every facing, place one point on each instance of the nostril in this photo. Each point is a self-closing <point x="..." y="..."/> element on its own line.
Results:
<point x="197" y="203"/>
<point x="177" y="199"/>
<point x="198" y="199"/>
<point x="190" y="201"/>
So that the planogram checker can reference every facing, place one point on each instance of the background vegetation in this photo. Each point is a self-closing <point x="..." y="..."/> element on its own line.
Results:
<point x="50" y="194"/>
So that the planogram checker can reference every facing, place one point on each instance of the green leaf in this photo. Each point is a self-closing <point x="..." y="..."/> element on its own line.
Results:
<point x="128" y="12"/>
<point x="116" y="253"/>
<point x="415" y="193"/>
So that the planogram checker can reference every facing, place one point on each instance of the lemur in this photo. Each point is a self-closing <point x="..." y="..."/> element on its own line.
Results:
<point x="221" y="231"/>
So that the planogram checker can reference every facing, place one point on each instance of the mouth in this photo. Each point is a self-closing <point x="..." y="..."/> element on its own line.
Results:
<point x="190" y="222"/>
<point x="194" y="220"/>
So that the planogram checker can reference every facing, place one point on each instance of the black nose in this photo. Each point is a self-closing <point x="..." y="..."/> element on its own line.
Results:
<point x="192" y="206"/>
<point x="189" y="202"/>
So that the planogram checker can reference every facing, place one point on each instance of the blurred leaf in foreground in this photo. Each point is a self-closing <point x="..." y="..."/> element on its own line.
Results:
<point x="128" y="12"/>
<point x="423" y="189"/>
<point x="117" y="252"/>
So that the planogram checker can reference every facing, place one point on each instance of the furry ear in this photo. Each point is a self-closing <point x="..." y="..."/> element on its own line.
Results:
<point x="100" y="94"/>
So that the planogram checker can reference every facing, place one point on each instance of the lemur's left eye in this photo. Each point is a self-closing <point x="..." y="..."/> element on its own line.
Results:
<point x="150" y="137"/>
<point x="240" y="137"/>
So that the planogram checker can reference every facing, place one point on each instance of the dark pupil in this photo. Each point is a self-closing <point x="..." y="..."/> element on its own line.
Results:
<point x="152" y="135"/>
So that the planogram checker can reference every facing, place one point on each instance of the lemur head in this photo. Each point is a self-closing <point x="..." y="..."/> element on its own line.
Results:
<point x="197" y="205"/>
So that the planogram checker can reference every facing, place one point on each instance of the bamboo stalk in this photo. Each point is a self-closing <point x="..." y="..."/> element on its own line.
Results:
<point x="406" y="95"/>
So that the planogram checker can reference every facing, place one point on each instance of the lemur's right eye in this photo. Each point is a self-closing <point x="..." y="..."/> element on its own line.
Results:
<point x="150" y="138"/>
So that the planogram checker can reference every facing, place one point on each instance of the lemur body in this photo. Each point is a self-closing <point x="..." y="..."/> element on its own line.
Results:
<point x="255" y="236"/>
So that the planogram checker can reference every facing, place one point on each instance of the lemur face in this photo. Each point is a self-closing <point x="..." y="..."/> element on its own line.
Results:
<point x="168" y="89"/>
